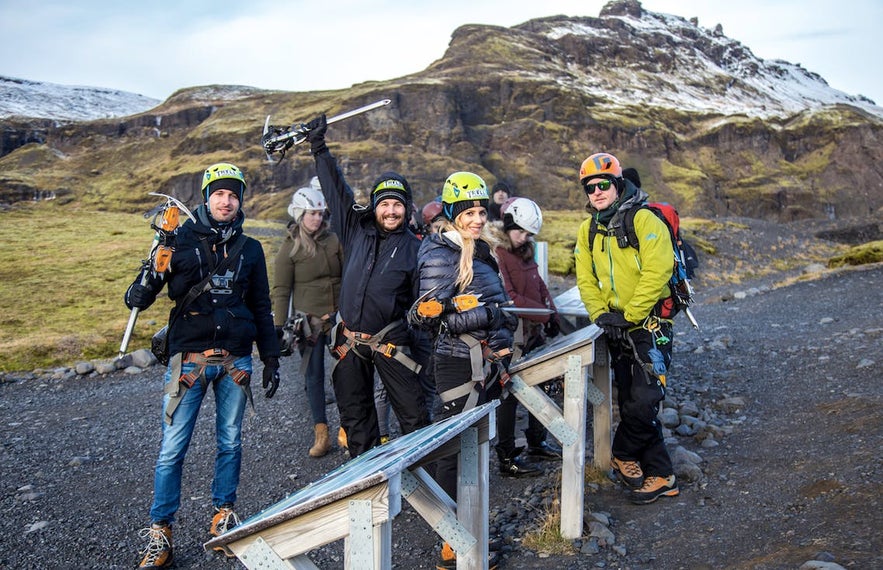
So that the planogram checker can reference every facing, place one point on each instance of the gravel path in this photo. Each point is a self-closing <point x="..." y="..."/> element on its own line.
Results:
<point x="774" y="418"/>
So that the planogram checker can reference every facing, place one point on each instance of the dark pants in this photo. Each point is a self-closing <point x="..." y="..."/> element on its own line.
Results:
<point x="639" y="434"/>
<point x="353" y="380"/>
<point x="451" y="372"/>
<point x="314" y="378"/>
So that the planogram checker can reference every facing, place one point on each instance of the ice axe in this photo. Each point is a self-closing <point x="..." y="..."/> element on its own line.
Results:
<point x="280" y="139"/>
<point x="167" y="214"/>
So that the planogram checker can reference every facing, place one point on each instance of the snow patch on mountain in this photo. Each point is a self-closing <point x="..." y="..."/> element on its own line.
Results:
<point x="714" y="75"/>
<point x="23" y="98"/>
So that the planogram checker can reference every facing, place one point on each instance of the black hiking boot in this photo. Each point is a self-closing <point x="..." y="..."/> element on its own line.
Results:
<point x="544" y="450"/>
<point x="512" y="466"/>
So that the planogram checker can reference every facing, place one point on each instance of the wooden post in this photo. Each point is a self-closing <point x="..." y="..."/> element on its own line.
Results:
<point x="602" y="414"/>
<point x="573" y="471"/>
<point x="473" y="498"/>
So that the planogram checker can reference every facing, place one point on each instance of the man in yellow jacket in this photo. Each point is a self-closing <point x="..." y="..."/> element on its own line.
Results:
<point x="623" y="289"/>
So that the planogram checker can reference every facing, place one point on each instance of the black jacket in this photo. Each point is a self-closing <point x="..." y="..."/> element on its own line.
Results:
<point x="236" y="311"/>
<point x="379" y="281"/>
<point x="438" y="264"/>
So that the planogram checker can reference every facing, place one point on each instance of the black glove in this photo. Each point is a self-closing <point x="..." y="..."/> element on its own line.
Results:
<point x="139" y="297"/>
<point x="552" y="326"/>
<point x="614" y="325"/>
<point x="316" y="134"/>
<point x="271" y="376"/>
<point x="498" y="318"/>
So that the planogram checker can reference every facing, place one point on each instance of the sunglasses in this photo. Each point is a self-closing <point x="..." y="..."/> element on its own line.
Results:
<point x="603" y="186"/>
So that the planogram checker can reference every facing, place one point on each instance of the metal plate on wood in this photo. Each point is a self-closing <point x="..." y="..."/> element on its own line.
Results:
<point x="361" y="537"/>
<point x="559" y="346"/>
<point x="259" y="556"/>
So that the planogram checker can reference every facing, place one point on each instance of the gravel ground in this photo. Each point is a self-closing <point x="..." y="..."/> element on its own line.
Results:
<point x="785" y="454"/>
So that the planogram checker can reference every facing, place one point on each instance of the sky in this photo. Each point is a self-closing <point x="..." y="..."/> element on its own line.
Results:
<point x="154" y="48"/>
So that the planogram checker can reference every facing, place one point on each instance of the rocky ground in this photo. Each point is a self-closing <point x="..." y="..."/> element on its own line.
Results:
<point x="773" y="416"/>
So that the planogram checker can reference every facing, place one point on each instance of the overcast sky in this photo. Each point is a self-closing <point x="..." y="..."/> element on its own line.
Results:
<point x="156" y="47"/>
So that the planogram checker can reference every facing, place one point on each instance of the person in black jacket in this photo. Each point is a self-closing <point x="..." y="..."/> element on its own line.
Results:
<point x="379" y="284"/>
<point x="210" y="341"/>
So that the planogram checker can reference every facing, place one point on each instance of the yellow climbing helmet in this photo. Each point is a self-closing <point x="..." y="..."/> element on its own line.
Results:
<point x="223" y="175"/>
<point x="463" y="190"/>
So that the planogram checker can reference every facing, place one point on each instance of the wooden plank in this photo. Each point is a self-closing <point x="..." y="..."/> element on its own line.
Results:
<point x="560" y="346"/>
<point x="602" y="416"/>
<point x="427" y="497"/>
<point x="316" y="528"/>
<point x="369" y="469"/>
<point x="544" y="408"/>
<point x="573" y="470"/>
<point x="549" y="369"/>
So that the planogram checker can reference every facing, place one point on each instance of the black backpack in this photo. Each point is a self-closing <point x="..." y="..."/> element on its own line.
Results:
<point x="681" y="272"/>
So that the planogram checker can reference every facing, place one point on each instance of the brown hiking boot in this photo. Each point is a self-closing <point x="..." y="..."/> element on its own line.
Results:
<point x="225" y="519"/>
<point x="629" y="472"/>
<point x="653" y="488"/>
<point x="158" y="553"/>
<point x="341" y="438"/>
<point x="321" y="444"/>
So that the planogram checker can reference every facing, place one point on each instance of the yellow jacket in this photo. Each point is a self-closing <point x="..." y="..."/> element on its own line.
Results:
<point x="624" y="280"/>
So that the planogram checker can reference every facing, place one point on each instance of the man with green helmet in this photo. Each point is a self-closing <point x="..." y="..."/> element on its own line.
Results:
<point x="218" y="280"/>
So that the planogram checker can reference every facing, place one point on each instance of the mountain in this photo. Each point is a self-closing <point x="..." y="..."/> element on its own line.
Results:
<point x="22" y="98"/>
<point x="711" y="127"/>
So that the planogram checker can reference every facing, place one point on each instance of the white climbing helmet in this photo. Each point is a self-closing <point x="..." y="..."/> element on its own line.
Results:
<point x="523" y="213"/>
<point x="304" y="200"/>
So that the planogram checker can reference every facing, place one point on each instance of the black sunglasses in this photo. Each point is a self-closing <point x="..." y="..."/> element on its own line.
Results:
<point x="604" y="185"/>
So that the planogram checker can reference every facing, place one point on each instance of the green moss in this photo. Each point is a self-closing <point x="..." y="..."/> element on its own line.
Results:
<point x="871" y="252"/>
<point x="686" y="183"/>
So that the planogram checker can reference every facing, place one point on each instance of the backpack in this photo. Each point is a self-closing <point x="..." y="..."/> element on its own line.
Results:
<point x="682" y="271"/>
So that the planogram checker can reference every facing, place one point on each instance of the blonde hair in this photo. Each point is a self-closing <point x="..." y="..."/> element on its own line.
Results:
<point x="304" y="242"/>
<point x="465" y="272"/>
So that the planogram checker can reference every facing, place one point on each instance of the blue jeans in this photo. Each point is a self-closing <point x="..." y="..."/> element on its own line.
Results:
<point x="230" y="404"/>
<point x="314" y="379"/>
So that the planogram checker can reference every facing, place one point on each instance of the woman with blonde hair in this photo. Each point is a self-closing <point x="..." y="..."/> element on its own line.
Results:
<point x="306" y="286"/>
<point x="459" y="261"/>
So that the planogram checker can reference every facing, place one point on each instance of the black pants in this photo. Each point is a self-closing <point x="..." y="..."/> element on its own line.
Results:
<point x="638" y="436"/>
<point x="353" y="380"/>
<point x="451" y="372"/>
<point x="506" y="417"/>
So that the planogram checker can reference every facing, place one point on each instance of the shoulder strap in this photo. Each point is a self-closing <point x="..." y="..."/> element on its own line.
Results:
<point x="197" y="289"/>
<point x="628" y="225"/>
<point x="593" y="231"/>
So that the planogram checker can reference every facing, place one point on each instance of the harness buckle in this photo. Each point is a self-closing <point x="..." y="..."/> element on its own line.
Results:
<point x="387" y="350"/>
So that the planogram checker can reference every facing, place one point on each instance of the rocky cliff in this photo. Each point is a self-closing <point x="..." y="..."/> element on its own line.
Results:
<point x="710" y="126"/>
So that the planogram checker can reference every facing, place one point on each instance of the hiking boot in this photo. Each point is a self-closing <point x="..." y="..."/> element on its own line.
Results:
<point x="341" y="438"/>
<point x="653" y="488"/>
<point x="448" y="560"/>
<point x="511" y="466"/>
<point x="225" y="519"/>
<point x="321" y="445"/>
<point x="158" y="553"/>
<point x="629" y="472"/>
<point x="544" y="450"/>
